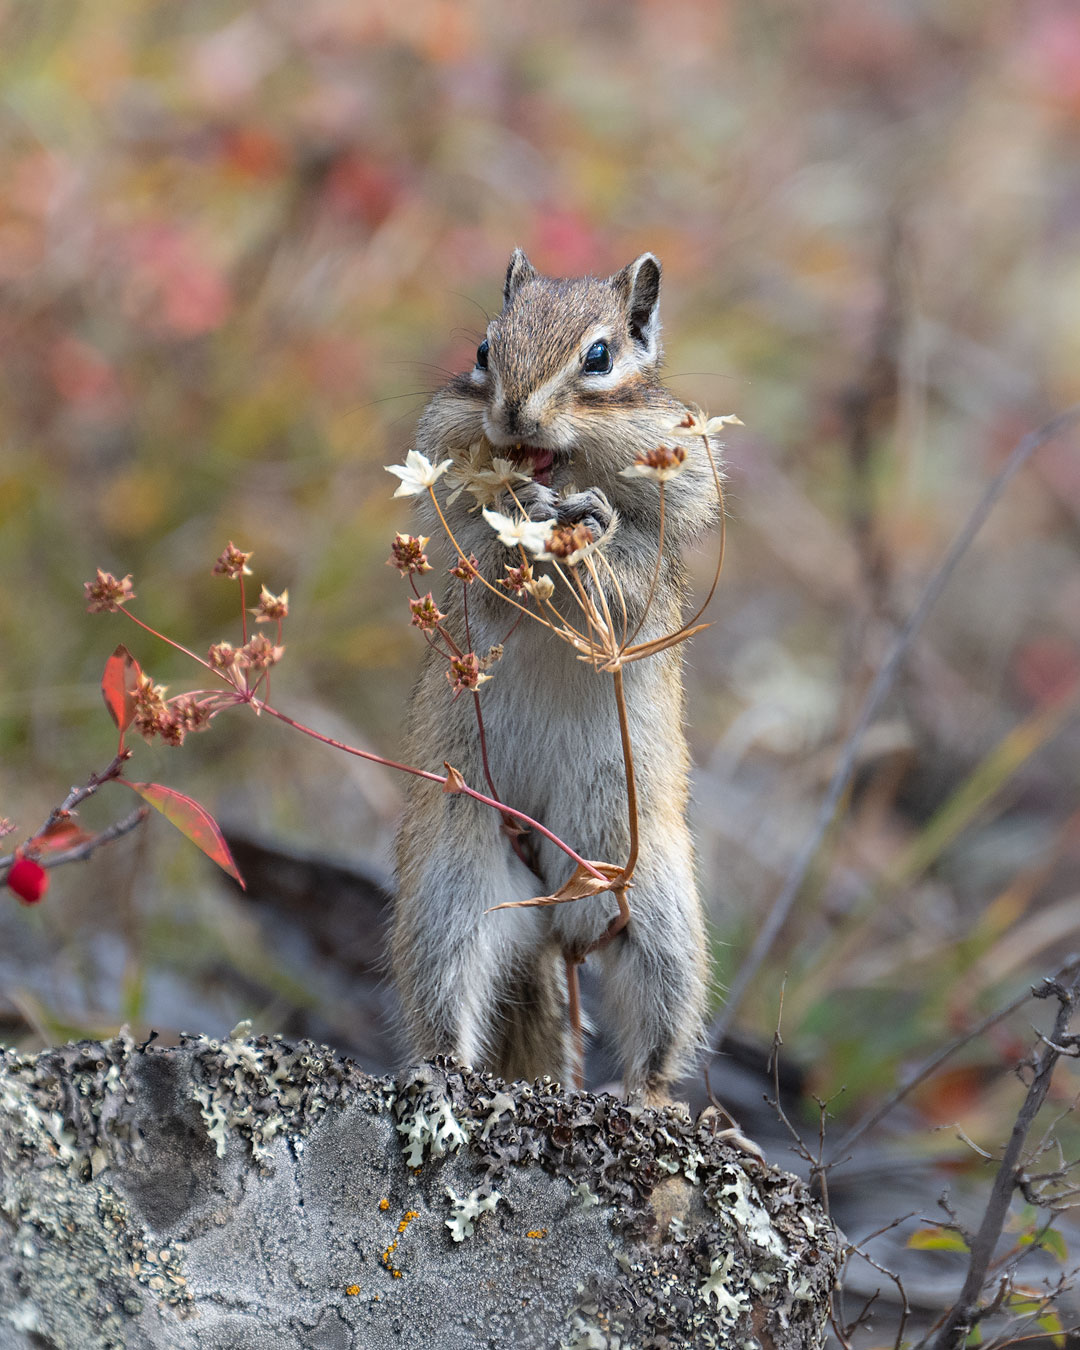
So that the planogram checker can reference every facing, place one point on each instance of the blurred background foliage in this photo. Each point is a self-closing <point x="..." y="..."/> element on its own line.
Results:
<point x="241" y="242"/>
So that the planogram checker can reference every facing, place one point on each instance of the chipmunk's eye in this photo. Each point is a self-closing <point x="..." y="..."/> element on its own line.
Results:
<point x="482" y="355"/>
<point x="597" y="359"/>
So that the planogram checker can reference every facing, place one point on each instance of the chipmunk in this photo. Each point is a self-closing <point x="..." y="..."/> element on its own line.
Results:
<point x="565" y="386"/>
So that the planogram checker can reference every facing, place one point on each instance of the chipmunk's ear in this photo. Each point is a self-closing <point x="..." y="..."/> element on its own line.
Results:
<point x="639" y="286"/>
<point x="519" y="271"/>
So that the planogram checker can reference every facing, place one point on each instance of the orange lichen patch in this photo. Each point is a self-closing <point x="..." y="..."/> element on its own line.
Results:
<point x="384" y="1203"/>
<point x="537" y="1233"/>
<point x="353" y="1290"/>
<point x="407" y="1219"/>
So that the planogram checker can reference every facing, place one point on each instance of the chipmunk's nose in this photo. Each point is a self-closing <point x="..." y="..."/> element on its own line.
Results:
<point x="512" y="421"/>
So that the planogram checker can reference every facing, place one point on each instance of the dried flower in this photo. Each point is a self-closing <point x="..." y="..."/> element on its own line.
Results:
<point x="494" y="653"/>
<point x="171" y="731"/>
<point x="426" y="614"/>
<point x="150" y="709"/>
<point x="484" y="481"/>
<point x="260" y="653"/>
<point x="540" y="588"/>
<point x="407" y="554"/>
<point x="695" y="423"/>
<point x="28" y="879"/>
<point x="467" y="569"/>
<point x="569" y="543"/>
<point x="106" y="593"/>
<point x="190" y="712"/>
<point x="665" y="462"/>
<point x="417" y="474"/>
<point x="222" y="655"/>
<point x="517" y="578"/>
<point x="233" y="563"/>
<point x="271" y="608"/>
<point x="530" y="534"/>
<point x="466" y="673"/>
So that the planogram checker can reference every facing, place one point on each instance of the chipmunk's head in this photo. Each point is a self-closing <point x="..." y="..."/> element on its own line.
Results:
<point x="563" y="356"/>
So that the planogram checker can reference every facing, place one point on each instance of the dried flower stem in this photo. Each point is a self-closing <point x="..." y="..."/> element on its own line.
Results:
<point x="687" y="627"/>
<point x="440" y="778"/>
<point x="178" y="645"/>
<point x="656" y="570"/>
<point x="480" y="576"/>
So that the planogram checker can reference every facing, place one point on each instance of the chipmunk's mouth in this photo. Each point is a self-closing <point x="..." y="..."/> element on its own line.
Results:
<point x="540" y="463"/>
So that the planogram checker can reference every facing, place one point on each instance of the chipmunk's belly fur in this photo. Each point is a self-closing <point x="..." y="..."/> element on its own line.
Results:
<point x="555" y="752"/>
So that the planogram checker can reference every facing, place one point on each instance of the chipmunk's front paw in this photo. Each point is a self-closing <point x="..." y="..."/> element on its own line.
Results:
<point x="590" y="508"/>
<point x="538" y="501"/>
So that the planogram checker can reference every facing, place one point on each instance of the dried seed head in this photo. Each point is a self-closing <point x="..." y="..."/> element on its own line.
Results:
<point x="260" y="653"/>
<point x="190" y="712"/>
<point x="483" y="476"/>
<point x="568" y="543"/>
<point x="271" y="608"/>
<point x="465" y="673"/>
<point x="408" y="556"/>
<point x="660" y="464"/>
<point x="221" y="655"/>
<point x="517" y="578"/>
<point x="426" y="615"/>
<point x="467" y="569"/>
<point x="171" y="731"/>
<point x="233" y="563"/>
<point x="150" y="709"/>
<point x="106" y="593"/>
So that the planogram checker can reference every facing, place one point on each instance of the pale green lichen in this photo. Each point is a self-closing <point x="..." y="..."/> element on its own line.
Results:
<point x="730" y="1302"/>
<point x="432" y="1130"/>
<point x="465" y="1210"/>
<point x="740" y="1207"/>
<point x="262" y="1089"/>
<point x="580" y="1191"/>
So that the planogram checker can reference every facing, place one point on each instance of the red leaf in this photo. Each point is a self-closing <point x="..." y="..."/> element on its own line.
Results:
<point x="64" y="833"/>
<point x="28" y="879"/>
<point x="191" y="820"/>
<point x="118" y="686"/>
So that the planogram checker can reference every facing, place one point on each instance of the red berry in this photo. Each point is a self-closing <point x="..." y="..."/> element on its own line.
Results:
<point x="28" y="879"/>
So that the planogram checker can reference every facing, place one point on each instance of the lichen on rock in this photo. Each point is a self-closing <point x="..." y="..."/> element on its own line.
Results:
<point x="252" y="1193"/>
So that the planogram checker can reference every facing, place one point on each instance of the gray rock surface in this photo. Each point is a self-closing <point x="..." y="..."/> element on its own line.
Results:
<point x="254" y="1195"/>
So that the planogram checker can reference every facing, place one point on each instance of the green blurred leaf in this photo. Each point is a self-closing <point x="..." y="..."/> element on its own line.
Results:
<point x="937" y="1240"/>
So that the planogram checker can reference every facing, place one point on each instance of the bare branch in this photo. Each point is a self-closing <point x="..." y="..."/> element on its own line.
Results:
<point x="965" y="1312"/>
